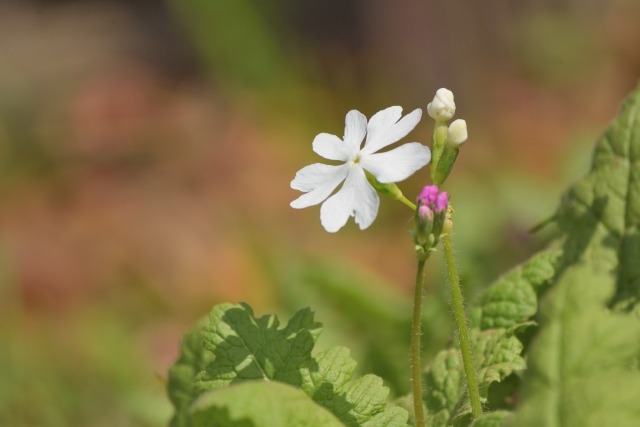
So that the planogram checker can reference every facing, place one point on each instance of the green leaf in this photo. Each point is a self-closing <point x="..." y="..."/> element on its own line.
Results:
<point x="580" y="367"/>
<point x="260" y="404"/>
<point x="242" y="348"/>
<point x="583" y="364"/>
<point x="497" y="355"/>
<point x="247" y="348"/>
<point x="491" y="419"/>
<point x="607" y="200"/>
<point x="443" y="382"/>
<point x="513" y="298"/>
<point x="181" y="375"/>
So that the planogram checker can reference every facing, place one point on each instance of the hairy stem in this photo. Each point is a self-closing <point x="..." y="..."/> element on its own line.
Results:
<point x="461" y="321"/>
<point x="416" y="366"/>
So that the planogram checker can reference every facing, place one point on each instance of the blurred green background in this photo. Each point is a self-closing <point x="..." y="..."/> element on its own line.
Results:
<point x="146" y="150"/>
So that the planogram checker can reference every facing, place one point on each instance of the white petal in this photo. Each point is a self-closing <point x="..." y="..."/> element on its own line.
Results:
<point x="356" y="198"/>
<point x="397" y="164"/>
<point x="318" y="181"/>
<point x="355" y="128"/>
<point x="385" y="129"/>
<point x="331" y="147"/>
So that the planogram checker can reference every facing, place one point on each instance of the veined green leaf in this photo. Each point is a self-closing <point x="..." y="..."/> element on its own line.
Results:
<point x="241" y="348"/>
<point x="497" y="356"/>
<point x="490" y="419"/>
<point x="260" y="404"/>
<point x="607" y="200"/>
<point x="582" y="364"/>
<point x="181" y="375"/>
<point x="513" y="299"/>
<point x="247" y="348"/>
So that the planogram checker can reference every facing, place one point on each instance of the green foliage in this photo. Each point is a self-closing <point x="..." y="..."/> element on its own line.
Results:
<point x="583" y="364"/>
<point x="235" y="348"/>
<point x="571" y="311"/>
<point x="582" y="360"/>
<point x="260" y="403"/>
<point x="491" y="419"/>
<point x="580" y="365"/>
<point x="513" y="299"/>
<point x="497" y="354"/>
<point x="371" y="316"/>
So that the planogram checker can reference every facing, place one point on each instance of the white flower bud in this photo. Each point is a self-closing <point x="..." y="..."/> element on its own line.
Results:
<point x="457" y="132"/>
<point x="442" y="108"/>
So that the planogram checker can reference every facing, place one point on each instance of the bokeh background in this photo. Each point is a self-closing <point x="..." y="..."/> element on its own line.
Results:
<point x="146" y="150"/>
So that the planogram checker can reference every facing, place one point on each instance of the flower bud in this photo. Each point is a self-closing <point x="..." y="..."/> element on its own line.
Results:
<point x="425" y="213"/>
<point x="442" y="202"/>
<point x="442" y="108"/>
<point x="424" y="226"/>
<point x="457" y="132"/>
<point x="432" y="197"/>
<point x="429" y="219"/>
<point x="428" y="195"/>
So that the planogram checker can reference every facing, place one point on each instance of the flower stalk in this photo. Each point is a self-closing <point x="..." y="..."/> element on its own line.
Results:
<point x="429" y="219"/>
<point x="389" y="189"/>
<point x="460" y="319"/>
<point x="416" y="346"/>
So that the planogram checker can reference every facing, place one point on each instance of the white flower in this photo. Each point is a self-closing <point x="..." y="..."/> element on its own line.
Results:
<point x="442" y="107"/>
<point x="457" y="132"/>
<point x="357" y="197"/>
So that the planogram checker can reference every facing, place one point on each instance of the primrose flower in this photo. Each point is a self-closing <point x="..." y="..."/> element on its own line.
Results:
<point x="457" y="132"/>
<point x="442" y="108"/>
<point x="357" y="197"/>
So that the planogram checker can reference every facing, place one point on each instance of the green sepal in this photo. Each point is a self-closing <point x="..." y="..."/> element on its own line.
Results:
<point x="388" y="189"/>
<point x="445" y="164"/>
<point x="439" y="143"/>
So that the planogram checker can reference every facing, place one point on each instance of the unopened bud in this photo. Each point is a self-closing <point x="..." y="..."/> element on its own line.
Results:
<point x="425" y="213"/>
<point x="433" y="198"/>
<point x="442" y="201"/>
<point x="429" y="218"/>
<point x="429" y="194"/>
<point x="442" y="108"/>
<point x="457" y="132"/>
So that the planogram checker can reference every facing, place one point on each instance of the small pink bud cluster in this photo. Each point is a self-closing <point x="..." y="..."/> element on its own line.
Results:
<point x="434" y="199"/>
<point x="430" y="216"/>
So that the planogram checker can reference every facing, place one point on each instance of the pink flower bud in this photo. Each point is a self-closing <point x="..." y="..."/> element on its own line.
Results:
<point x="442" y="201"/>
<point x="426" y="214"/>
<point x="428" y="194"/>
<point x="433" y="198"/>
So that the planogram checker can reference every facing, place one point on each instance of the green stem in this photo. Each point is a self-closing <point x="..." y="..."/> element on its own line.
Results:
<point x="407" y="203"/>
<point x="416" y="366"/>
<point x="461" y="322"/>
